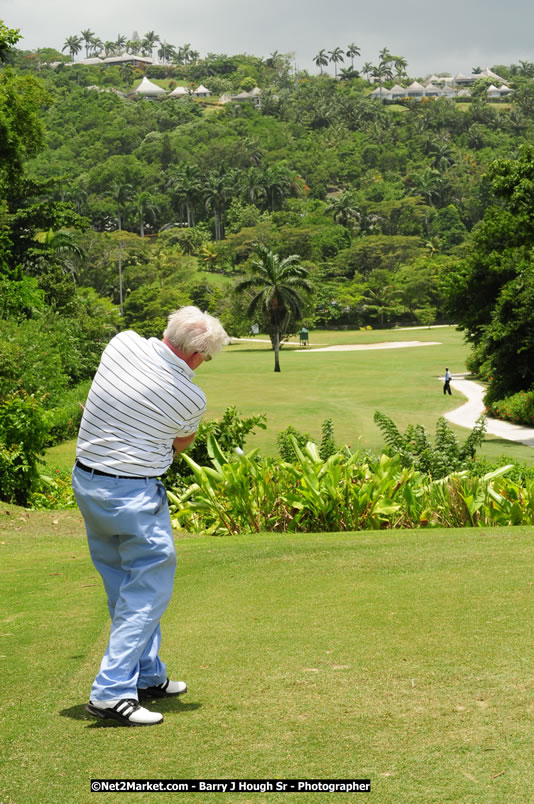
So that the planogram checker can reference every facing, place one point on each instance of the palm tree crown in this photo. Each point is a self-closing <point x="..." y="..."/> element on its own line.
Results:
<point x="73" y="44"/>
<point x="352" y="51"/>
<point x="336" y="55"/>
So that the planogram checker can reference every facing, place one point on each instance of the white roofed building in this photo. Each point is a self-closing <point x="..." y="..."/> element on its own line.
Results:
<point x="201" y="92"/>
<point x="179" y="92"/>
<point x="148" y="90"/>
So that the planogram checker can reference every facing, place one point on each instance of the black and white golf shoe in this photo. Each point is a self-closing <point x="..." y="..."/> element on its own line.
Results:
<point x="128" y="712"/>
<point x="166" y="690"/>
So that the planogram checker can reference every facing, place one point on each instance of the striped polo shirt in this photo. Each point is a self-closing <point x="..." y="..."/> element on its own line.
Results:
<point x="141" y="399"/>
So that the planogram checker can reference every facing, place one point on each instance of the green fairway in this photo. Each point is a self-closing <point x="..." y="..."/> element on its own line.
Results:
<point x="405" y="657"/>
<point x="346" y="386"/>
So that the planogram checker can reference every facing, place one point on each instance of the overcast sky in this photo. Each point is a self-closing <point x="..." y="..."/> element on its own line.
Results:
<point x="451" y="35"/>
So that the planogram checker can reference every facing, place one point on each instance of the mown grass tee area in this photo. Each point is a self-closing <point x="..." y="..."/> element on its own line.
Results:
<point x="401" y="656"/>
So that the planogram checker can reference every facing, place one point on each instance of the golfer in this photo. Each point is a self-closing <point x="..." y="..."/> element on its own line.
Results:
<point x="447" y="382"/>
<point x="142" y="409"/>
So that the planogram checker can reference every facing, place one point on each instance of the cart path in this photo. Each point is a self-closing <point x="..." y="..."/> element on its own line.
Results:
<point x="467" y="414"/>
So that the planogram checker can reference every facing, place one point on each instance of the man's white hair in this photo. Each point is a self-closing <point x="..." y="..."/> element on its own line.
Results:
<point x="190" y="330"/>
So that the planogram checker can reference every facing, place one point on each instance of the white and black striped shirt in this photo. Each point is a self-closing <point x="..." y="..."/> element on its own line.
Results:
<point x="141" y="399"/>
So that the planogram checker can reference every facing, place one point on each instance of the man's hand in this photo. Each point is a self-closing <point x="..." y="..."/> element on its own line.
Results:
<point x="181" y="443"/>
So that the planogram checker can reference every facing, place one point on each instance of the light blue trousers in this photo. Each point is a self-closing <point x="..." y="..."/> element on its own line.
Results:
<point x="131" y="544"/>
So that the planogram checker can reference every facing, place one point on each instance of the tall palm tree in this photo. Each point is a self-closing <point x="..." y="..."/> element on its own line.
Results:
<point x="120" y="43"/>
<point x="64" y="247"/>
<point x="133" y="46"/>
<point x="344" y="210"/>
<point x="182" y="54"/>
<point x="366" y="69"/>
<point x="216" y="191"/>
<point x="253" y="150"/>
<point x="97" y="46"/>
<point x="383" y="73"/>
<point x="428" y="184"/>
<point x="121" y="195"/>
<point x="352" y="51"/>
<point x="321" y="60"/>
<point x="385" y="55"/>
<point x="73" y="44"/>
<point x="184" y="184"/>
<point x="149" y="42"/>
<point x="252" y="185"/>
<point x="166" y="52"/>
<point x="110" y="48"/>
<point x="277" y="283"/>
<point x="400" y="67"/>
<point x="277" y="180"/>
<point x="335" y="56"/>
<point x="144" y="203"/>
<point x="87" y="38"/>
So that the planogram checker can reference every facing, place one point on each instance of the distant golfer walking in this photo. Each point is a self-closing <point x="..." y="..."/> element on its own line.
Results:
<point x="447" y="383"/>
<point x="142" y="409"/>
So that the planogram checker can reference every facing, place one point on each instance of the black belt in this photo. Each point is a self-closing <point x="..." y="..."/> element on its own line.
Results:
<point x="80" y="465"/>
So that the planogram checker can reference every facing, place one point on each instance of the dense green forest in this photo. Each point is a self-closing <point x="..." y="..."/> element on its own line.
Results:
<point x="115" y="209"/>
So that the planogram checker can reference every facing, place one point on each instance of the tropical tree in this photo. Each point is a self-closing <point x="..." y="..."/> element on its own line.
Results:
<point x="335" y="56"/>
<point x="8" y="38"/>
<point x="382" y="73"/>
<point x="253" y="185"/>
<point x="149" y="42"/>
<point x="383" y="300"/>
<point x="64" y="247"/>
<point x="120" y="43"/>
<point x="352" y="51"/>
<point x="428" y="184"/>
<point x="110" y="48"/>
<point x="145" y="204"/>
<point x="182" y="54"/>
<point x="321" y="60"/>
<point x="127" y="73"/>
<point x="73" y="44"/>
<point x="344" y="210"/>
<point x="277" y="180"/>
<point x="276" y="284"/>
<point x="367" y="69"/>
<point x="97" y="46"/>
<point x="216" y="191"/>
<point x="346" y="73"/>
<point x="121" y="195"/>
<point x="400" y="67"/>
<point x="185" y="186"/>
<point x="87" y="38"/>
<point x="166" y="52"/>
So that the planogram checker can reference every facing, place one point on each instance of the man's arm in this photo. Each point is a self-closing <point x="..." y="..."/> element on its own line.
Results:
<point x="181" y="443"/>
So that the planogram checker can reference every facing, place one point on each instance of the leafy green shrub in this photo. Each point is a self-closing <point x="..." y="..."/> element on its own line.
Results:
<point x="63" y="421"/>
<point x="328" y="444"/>
<point x="518" y="408"/>
<point x="231" y="431"/>
<point x="53" y="491"/>
<point x="442" y="457"/>
<point x="344" y="493"/>
<point x="22" y="438"/>
<point x="285" y="441"/>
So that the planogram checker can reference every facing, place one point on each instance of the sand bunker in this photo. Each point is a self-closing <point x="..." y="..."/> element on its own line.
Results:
<point x="367" y="346"/>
